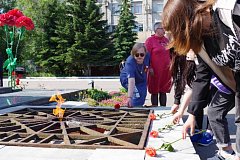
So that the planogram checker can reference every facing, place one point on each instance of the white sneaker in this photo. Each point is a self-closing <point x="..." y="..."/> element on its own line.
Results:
<point x="227" y="155"/>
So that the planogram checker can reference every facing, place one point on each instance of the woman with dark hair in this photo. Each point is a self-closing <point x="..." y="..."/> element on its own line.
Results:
<point x="133" y="76"/>
<point x="183" y="72"/>
<point x="212" y="31"/>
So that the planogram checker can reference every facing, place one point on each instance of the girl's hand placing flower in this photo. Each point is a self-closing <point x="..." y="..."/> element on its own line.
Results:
<point x="174" y="108"/>
<point x="189" y="124"/>
<point x="177" y="117"/>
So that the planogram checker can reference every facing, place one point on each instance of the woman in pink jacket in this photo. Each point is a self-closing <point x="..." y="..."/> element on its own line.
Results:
<point x="159" y="77"/>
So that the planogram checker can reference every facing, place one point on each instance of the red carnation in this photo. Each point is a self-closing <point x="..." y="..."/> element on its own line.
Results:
<point x="151" y="152"/>
<point x="3" y="18"/>
<point x="13" y="73"/>
<point x="7" y="19"/>
<point x="25" y="22"/>
<point x="154" y="134"/>
<point x="152" y="116"/>
<point x="117" y="106"/>
<point x="16" y="13"/>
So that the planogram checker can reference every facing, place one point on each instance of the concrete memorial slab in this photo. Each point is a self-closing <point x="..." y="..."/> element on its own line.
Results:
<point x="35" y="153"/>
<point x="117" y="154"/>
<point x="31" y="97"/>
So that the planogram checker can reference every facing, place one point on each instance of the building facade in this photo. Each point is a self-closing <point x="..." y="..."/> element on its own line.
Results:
<point x="147" y="13"/>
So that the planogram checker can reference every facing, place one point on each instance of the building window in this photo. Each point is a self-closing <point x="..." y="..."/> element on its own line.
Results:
<point x="138" y="27"/>
<point x="100" y="10"/>
<point x="158" y="6"/>
<point x="115" y="9"/>
<point x="136" y="7"/>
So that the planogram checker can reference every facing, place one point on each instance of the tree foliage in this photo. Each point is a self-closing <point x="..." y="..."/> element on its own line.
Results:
<point x="124" y="37"/>
<point x="91" y="45"/>
<point x="69" y="36"/>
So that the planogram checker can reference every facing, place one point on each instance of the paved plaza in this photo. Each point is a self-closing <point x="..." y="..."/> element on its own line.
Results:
<point x="45" y="87"/>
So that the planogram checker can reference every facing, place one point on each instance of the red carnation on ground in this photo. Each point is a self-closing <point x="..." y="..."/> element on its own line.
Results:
<point x="151" y="152"/>
<point x="152" y="116"/>
<point x="154" y="134"/>
<point x="117" y="106"/>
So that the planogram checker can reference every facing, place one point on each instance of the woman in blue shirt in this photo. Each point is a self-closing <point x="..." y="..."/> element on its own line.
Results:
<point x="133" y="76"/>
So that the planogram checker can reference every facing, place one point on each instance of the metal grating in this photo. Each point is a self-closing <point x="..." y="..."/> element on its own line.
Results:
<point x="88" y="128"/>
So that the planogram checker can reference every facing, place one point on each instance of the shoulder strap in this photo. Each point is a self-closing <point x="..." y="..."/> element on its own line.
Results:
<point x="223" y="72"/>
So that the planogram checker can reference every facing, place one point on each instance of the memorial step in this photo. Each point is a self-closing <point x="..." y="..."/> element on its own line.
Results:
<point x="5" y="90"/>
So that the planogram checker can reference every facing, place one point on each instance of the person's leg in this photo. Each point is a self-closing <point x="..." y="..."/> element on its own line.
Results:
<point x="237" y="122"/>
<point x="163" y="99"/>
<point x="154" y="99"/>
<point x="140" y="100"/>
<point x="237" y="114"/>
<point x="208" y="125"/>
<point x="220" y="105"/>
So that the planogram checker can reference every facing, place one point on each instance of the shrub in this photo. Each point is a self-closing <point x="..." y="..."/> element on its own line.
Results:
<point x="100" y="98"/>
<point x="98" y="95"/>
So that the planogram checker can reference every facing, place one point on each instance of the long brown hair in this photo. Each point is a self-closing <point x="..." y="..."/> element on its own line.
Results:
<point x="183" y="19"/>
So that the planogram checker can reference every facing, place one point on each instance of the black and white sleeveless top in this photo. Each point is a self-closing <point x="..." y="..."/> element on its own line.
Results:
<point x="224" y="47"/>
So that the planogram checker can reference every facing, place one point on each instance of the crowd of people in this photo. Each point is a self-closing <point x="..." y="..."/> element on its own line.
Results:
<point x="201" y="59"/>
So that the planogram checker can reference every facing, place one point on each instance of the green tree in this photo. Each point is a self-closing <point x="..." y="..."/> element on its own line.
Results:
<point x="124" y="36"/>
<point x="92" y="45"/>
<point x="6" y="5"/>
<point x="42" y="45"/>
<point x="32" y="41"/>
<point x="51" y="56"/>
<point x="69" y="35"/>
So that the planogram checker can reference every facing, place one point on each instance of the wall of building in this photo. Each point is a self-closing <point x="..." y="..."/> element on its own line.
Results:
<point x="147" y="13"/>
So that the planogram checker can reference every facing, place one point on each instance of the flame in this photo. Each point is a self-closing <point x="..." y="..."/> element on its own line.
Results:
<point x="58" y="112"/>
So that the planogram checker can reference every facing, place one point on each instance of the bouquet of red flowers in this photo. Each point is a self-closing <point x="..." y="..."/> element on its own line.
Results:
<point x="14" y="23"/>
